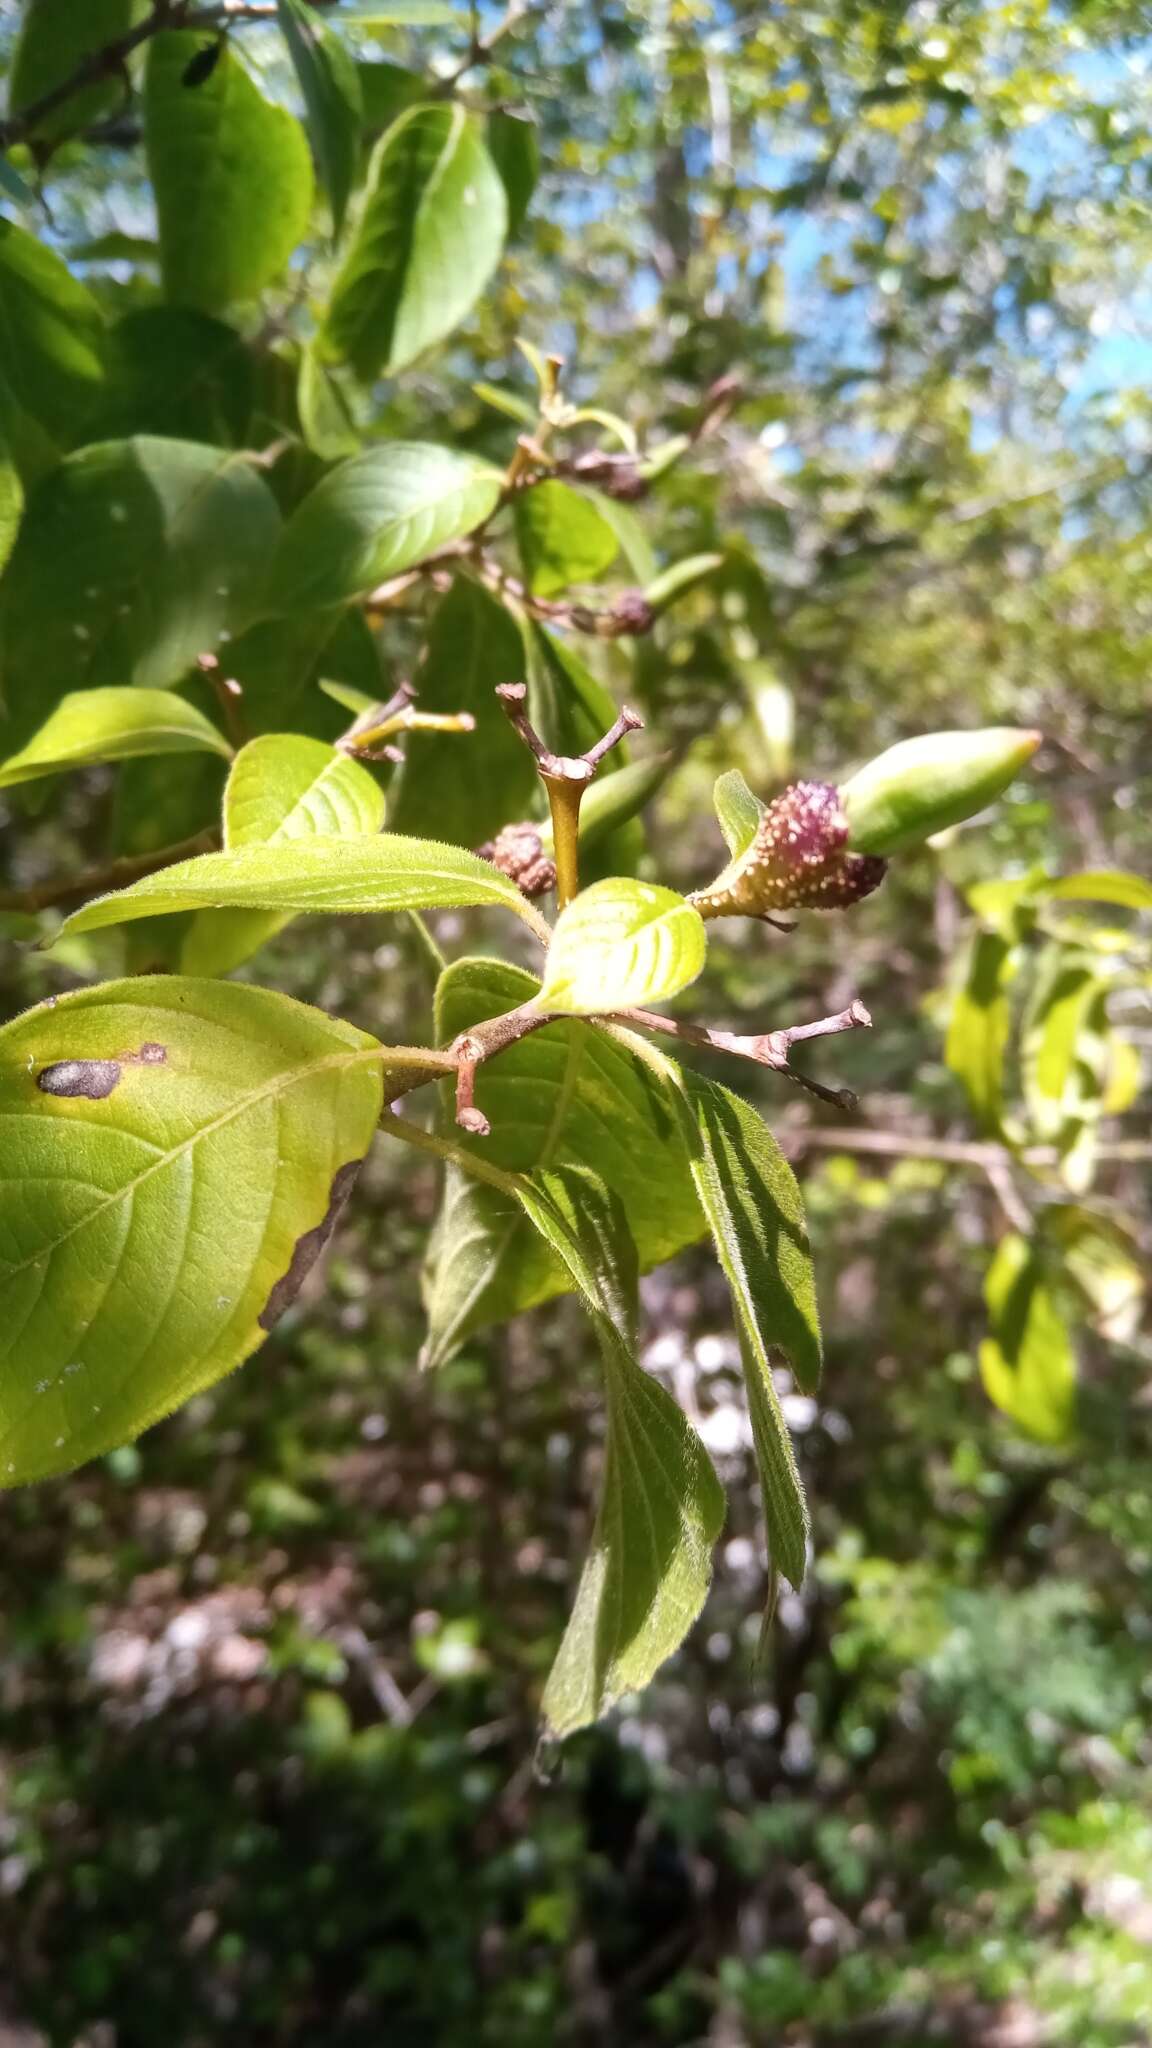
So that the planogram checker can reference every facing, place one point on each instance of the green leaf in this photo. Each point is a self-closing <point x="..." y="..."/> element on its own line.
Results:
<point x="754" y="1209"/>
<point x="327" y="420"/>
<point x="176" y="1154"/>
<point x="661" y="1505"/>
<point x="429" y="237"/>
<point x="514" y="147"/>
<point x="567" y="1094"/>
<point x="231" y="173"/>
<point x="177" y="373"/>
<point x="387" y="90"/>
<point x="332" y="99"/>
<point x="622" y="942"/>
<point x="55" y="38"/>
<point x="979" y="1024"/>
<point x="320" y="874"/>
<point x="1029" y="1363"/>
<point x="112" y="725"/>
<point x="375" y="516"/>
<point x="14" y="185"/>
<point x="282" y="787"/>
<point x="1069" y="997"/>
<point x="738" y="810"/>
<point x="562" y="538"/>
<point x="1104" y="885"/>
<point x="11" y="482"/>
<point x="466" y="786"/>
<point x="52" y="335"/>
<point x="134" y="557"/>
<point x="675" y="582"/>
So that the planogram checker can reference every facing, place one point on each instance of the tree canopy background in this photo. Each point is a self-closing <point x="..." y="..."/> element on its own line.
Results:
<point x="269" y="1679"/>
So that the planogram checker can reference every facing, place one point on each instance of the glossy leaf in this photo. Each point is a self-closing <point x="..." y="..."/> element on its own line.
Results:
<point x="619" y="943"/>
<point x="466" y="786"/>
<point x="134" y="557"/>
<point x="563" y="538"/>
<point x="231" y="174"/>
<point x="429" y="236"/>
<point x="55" y="39"/>
<point x="282" y="787"/>
<point x="311" y="875"/>
<point x="175" y="1155"/>
<point x="52" y="335"/>
<point x="661" y="1506"/>
<point x="1029" y="1362"/>
<point x="333" y="101"/>
<point x="567" y="1094"/>
<point x="112" y="725"/>
<point x="376" y="515"/>
<point x="738" y="811"/>
<point x="749" y="1195"/>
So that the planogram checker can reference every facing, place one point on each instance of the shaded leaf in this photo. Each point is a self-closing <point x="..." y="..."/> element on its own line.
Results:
<point x="514" y="147"/>
<point x="979" y="1024"/>
<point x="562" y="537"/>
<point x="178" y="373"/>
<point x="52" y="335"/>
<point x="55" y="38"/>
<point x="428" y="239"/>
<point x="332" y="99"/>
<point x="231" y="174"/>
<point x="175" y="1153"/>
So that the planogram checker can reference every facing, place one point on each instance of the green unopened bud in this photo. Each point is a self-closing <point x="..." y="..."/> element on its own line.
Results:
<point x="920" y="786"/>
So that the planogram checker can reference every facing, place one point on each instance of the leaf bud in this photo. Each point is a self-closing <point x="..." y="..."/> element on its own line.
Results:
<point x="920" y="786"/>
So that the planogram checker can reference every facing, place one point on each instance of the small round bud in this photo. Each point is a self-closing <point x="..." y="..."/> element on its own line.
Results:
<point x="518" y="851"/>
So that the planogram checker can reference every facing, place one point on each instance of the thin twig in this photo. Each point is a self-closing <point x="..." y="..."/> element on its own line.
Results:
<point x="768" y="1048"/>
<point x="482" y="1043"/>
<point x="117" y="874"/>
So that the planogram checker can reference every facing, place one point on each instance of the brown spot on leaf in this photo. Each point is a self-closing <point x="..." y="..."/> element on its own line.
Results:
<point x="151" y="1054"/>
<point x="309" y="1247"/>
<point x="91" y="1079"/>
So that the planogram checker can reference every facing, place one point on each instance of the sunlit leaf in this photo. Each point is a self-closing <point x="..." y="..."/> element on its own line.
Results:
<point x="979" y="1025"/>
<point x="619" y="943"/>
<point x="563" y="538"/>
<point x="1104" y="885"/>
<point x="738" y="811"/>
<point x="333" y="101"/>
<point x="176" y="1154"/>
<point x="1029" y="1363"/>
<point x="112" y="725"/>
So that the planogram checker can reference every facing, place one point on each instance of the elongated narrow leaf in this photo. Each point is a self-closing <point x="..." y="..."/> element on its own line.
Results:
<point x="514" y="147"/>
<point x="333" y="101"/>
<point x="661" y="1506"/>
<point x="749" y="1194"/>
<point x="1104" y="885"/>
<point x="231" y="174"/>
<point x="979" y="1025"/>
<point x="282" y="787"/>
<point x="1028" y="1364"/>
<point x="563" y="538"/>
<point x="311" y="875"/>
<point x="428" y="239"/>
<point x="112" y="725"/>
<point x="738" y="810"/>
<point x="52" y="336"/>
<point x="175" y="1155"/>
<point x="376" y="515"/>
<point x="1067" y="1008"/>
<point x="133" y="558"/>
<point x="467" y="787"/>
<point x="56" y="38"/>
<point x="619" y="943"/>
<point x="567" y="1094"/>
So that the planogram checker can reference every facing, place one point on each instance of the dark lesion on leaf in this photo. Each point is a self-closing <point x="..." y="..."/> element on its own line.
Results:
<point x="91" y="1079"/>
<point x="309" y="1247"/>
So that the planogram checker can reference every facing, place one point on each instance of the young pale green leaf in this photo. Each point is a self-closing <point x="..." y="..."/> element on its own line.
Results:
<point x="924" y="785"/>
<point x="231" y="173"/>
<point x="739" y="811"/>
<point x="1103" y="1260"/>
<point x="1104" y="885"/>
<point x="55" y="40"/>
<point x="134" y="558"/>
<point x="1028" y="1365"/>
<point x="52" y="336"/>
<point x="622" y="942"/>
<point x="282" y="787"/>
<point x="176" y="1154"/>
<point x="376" y="515"/>
<point x="749" y="1195"/>
<point x="674" y="583"/>
<point x="566" y="1095"/>
<point x="661" y="1506"/>
<point x="430" y="234"/>
<point x="563" y="538"/>
<point x="112" y="725"/>
<point x="302" y="876"/>
<point x="467" y="787"/>
<point x="514" y="147"/>
<point x="979" y="1025"/>
<point x="333" y="101"/>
